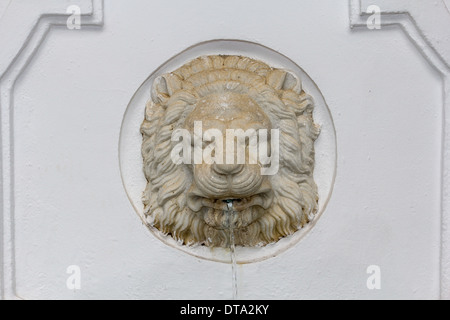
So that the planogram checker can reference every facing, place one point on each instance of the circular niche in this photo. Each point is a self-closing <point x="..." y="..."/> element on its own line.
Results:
<point x="130" y="144"/>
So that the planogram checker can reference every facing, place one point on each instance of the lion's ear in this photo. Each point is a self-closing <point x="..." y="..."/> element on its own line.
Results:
<point x="284" y="80"/>
<point x="164" y="87"/>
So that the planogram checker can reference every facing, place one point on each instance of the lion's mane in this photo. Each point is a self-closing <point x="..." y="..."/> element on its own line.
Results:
<point x="279" y="93"/>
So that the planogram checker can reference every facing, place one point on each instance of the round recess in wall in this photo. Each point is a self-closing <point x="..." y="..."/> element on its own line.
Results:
<point x="232" y="61"/>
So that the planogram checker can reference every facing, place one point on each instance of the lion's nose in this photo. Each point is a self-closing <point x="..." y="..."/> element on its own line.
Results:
<point x="227" y="169"/>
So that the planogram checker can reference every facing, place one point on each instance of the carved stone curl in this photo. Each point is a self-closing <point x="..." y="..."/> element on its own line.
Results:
<point x="189" y="201"/>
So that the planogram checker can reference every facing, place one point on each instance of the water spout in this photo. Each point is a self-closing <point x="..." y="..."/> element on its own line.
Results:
<point x="230" y="213"/>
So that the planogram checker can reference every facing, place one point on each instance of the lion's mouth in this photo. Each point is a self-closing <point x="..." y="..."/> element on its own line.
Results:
<point x="216" y="212"/>
<point x="263" y="199"/>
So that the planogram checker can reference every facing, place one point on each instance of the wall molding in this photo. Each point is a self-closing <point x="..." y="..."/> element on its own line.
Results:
<point x="420" y="35"/>
<point x="54" y="16"/>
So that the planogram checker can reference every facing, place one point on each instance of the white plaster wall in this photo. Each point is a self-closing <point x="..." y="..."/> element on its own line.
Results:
<point x="71" y="207"/>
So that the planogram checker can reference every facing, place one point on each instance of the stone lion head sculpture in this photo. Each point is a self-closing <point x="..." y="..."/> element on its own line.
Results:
<point x="190" y="201"/>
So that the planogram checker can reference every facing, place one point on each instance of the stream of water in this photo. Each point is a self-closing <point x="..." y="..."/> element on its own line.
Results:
<point x="230" y="213"/>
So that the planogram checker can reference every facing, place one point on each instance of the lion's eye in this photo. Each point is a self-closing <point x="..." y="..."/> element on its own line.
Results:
<point x="201" y="143"/>
<point x="196" y="141"/>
